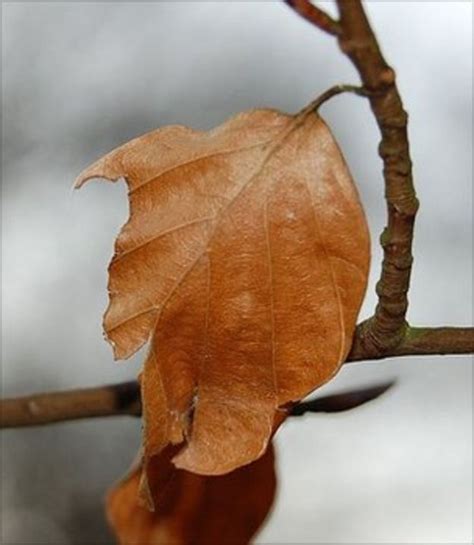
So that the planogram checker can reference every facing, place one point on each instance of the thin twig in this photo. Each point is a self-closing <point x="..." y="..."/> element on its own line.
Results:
<point x="345" y="401"/>
<point x="316" y="16"/>
<point x="124" y="399"/>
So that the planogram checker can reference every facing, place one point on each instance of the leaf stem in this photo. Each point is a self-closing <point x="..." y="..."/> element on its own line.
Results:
<point x="337" y="90"/>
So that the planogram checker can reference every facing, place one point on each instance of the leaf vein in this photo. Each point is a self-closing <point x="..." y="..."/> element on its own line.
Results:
<point x="181" y="226"/>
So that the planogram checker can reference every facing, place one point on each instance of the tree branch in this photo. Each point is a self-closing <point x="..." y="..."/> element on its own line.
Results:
<point x="124" y="399"/>
<point x="418" y="341"/>
<point x="53" y="407"/>
<point x="316" y="16"/>
<point x="381" y="334"/>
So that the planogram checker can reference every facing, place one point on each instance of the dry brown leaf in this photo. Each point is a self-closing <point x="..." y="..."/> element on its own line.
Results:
<point x="245" y="260"/>
<point x="193" y="509"/>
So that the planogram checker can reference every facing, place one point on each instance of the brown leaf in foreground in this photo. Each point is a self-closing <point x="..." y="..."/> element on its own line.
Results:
<point x="193" y="509"/>
<point x="245" y="259"/>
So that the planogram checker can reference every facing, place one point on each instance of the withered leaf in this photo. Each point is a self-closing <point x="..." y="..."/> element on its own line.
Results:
<point x="245" y="260"/>
<point x="193" y="509"/>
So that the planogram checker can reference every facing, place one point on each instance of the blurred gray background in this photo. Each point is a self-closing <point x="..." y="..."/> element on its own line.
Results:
<point x="81" y="78"/>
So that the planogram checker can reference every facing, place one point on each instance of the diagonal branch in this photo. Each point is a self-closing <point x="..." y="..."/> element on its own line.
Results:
<point x="387" y="328"/>
<point x="316" y="16"/>
<point x="345" y="401"/>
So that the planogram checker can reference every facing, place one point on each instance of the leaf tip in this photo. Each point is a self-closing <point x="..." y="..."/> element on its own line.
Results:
<point x="79" y="182"/>
<point x="92" y="171"/>
<point x="107" y="167"/>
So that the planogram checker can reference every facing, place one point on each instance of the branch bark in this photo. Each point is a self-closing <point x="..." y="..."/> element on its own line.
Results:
<point x="387" y="329"/>
<point x="418" y="341"/>
<point x="38" y="409"/>
<point x="124" y="399"/>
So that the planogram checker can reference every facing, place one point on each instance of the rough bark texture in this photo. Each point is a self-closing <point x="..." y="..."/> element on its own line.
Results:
<point x="387" y="328"/>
